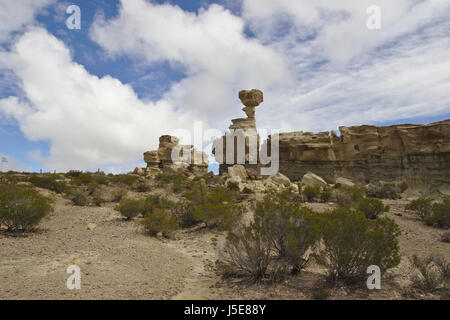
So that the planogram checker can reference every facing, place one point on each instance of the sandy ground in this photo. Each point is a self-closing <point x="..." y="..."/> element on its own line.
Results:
<point x="118" y="261"/>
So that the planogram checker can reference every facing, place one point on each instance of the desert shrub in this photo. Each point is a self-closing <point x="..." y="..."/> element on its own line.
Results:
<point x="433" y="272"/>
<point x="371" y="207"/>
<point x="47" y="182"/>
<point x="385" y="190"/>
<point x="184" y="213"/>
<point x="217" y="208"/>
<point x="101" y="178"/>
<point x="320" y="291"/>
<point x="311" y="193"/>
<point x="73" y="173"/>
<point x="22" y="208"/>
<point x="155" y="201"/>
<point x="440" y="215"/>
<point x="420" y="207"/>
<point x="233" y="185"/>
<point x="446" y="237"/>
<point x="325" y="194"/>
<point x="125" y="179"/>
<point x="290" y="229"/>
<point x="130" y="208"/>
<point x="92" y="187"/>
<point x="247" y="190"/>
<point x="98" y="201"/>
<point x="118" y="194"/>
<point x="159" y="220"/>
<point x="247" y="252"/>
<point x="352" y="243"/>
<point x="80" y="197"/>
<point x="178" y="182"/>
<point x="346" y="195"/>
<point x="142" y="187"/>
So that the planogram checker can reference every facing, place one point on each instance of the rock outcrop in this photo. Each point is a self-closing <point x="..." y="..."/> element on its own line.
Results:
<point x="416" y="154"/>
<point x="188" y="159"/>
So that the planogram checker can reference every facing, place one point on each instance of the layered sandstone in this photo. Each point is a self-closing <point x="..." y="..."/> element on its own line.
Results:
<point x="416" y="154"/>
<point x="172" y="157"/>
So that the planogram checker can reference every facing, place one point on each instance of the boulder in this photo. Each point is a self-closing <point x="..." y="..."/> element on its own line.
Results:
<point x="151" y="158"/>
<point x="312" y="180"/>
<point x="139" y="171"/>
<point x="345" y="182"/>
<point x="237" y="171"/>
<point x="279" y="179"/>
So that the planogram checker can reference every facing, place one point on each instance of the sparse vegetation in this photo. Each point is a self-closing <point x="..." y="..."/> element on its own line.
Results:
<point x="346" y="195"/>
<point x="433" y="272"/>
<point x="159" y="220"/>
<point x="311" y="193"/>
<point x="352" y="243"/>
<point x="22" y="208"/>
<point x="118" y="194"/>
<point x="48" y="182"/>
<point x="421" y="207"/>
<point x="247" y="252"/>
<point x="130" y="208"/>
<point x="371" y="207"/>
<point x="80" y="197"/>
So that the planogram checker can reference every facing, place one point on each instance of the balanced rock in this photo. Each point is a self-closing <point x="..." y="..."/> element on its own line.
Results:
<point x="237" y="171"/>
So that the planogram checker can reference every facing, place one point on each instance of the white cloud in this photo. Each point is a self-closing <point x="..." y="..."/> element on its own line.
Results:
<point x="210" y="45"/>
<point x="18" y="14"/>
<point x="89" y="121"/>
<point x="317" y="63"/>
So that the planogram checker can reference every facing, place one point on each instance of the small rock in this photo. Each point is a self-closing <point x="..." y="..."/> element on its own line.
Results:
<point x="91" y="226"/>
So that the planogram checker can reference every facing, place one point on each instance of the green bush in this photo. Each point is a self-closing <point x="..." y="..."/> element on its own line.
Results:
<point x="47" y="182"/>
<point x="178" y="182"/>
<point x="290" y="229"/>
<point x="371" y="207"/>
<point x="233" y="186"/>
<point x="118" y="194"/>
<point x="217" y="208"/>
<point x="98" y="201"/>
<point x="125" y="179"/>
<point x="80" y="197"/>
<point x="433" y="272"/>
<point x="311" y="193"/>
<point x="142" y="187"/>
<point x="420" y="207"/>
<point x="346" y="195"/>
<point x="184" y="213"/>
<point x="440" y="215"/>
<point x="352" y="243"/>
<point x="247" y="190"/>
<point x="130" y="208"/>
<point x="157" y="202"/>
<point x="159" y="220"/>
<point x="22" y="208"/>
<point x="247" y="251"/>
<point x="326" y="194"/>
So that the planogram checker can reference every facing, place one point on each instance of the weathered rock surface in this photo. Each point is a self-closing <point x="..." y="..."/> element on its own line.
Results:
<point x="237" y="171"/>
<point x="313" y="180"/>
<point x="189" y="159"/>
<point x="416" y="154"/>
<point x="345" y="182"/>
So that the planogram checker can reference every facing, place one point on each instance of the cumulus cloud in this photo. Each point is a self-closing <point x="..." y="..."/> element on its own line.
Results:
<point x="88" y="120"/>
<point x="210" y="46"/>
<point x="316" y="61"/>
<point x="18" y="14"/>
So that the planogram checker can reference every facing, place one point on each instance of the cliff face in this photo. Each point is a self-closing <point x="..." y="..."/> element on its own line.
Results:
<point x="416" y="154"/>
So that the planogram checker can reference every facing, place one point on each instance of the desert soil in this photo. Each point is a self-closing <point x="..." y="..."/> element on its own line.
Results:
<point x="118" y="261"/>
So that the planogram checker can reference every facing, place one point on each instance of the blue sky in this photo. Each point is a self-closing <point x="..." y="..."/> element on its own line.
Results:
<point x="100" y="96"/>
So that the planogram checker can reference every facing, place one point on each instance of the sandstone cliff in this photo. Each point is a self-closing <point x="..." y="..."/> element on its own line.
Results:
<point x="416" y="154"/>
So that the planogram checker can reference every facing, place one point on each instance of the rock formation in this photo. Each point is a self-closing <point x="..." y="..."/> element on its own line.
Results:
<point x="416" y="154"/>
<point x="244" y="128"/>
<point x="190" y="160"/>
